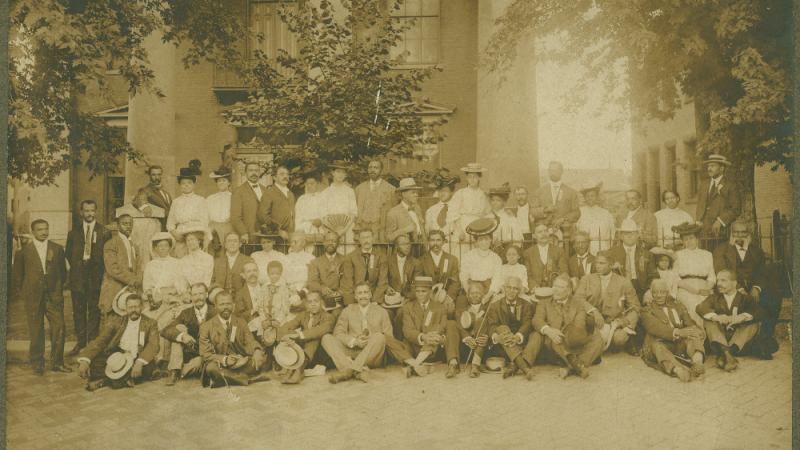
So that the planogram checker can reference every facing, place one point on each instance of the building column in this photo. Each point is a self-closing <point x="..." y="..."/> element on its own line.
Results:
<point x="666" y="161"/>
<point x="652" y="180"/>
<point x="507" y="138"/>
<point x="682" y="173"/>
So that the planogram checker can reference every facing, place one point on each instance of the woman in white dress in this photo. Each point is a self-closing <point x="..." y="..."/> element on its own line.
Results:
<point x="308" y="212"/>
<point x="197" y="266"/>
<point x="188" y="210"/>
<point x="468" y="203"/>
<point x="340" y="198"/>
<point x="163" y="270"/>
<point x="512" y="267"/>
<point x="219" y="208"/>
<point x="596" y="220"/>
<point x="481" y="263"/>
<point x="669" y="218"/>
<point x="695" y="267"/>
<point x="296" y="262"/>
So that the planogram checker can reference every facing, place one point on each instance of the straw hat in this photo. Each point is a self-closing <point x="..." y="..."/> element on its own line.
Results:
<point x="687" y="228"/>
<point x="407" y="184"/>
<point x="289" y="355"/>
<point x="716" y="158"/>
<point x="495" y="364"/>
<point x="481" y="227"/>
<point x="473" y="168"/>
<point x="592" y="187"/>
<point x="118" y="364"/>
<point x="118" y="304"/>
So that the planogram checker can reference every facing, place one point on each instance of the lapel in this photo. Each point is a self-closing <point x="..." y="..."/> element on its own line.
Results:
<point x="118" y="335"/>
<point x="34" y="256"/>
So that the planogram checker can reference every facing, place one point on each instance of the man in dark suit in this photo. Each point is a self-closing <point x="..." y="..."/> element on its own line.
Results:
<point x="581" y="261"/>
<point x="644" y="219"/>
<point x="122" y="268"/>
<point x="731" y="320"/>
<point x="85" y="256"/>
<point x="228" y="266"/>
<point x="364" y="264"/>
<point x="747" y="260"/>
<point x="555" y="204"/>
<point x="468" y="332"/>
<point x="245" y="202"/>
<point x="183" y="334"/>
<point x="38" y="278"/>
<point x="545" y="260"/>
<point x="718" y="204"/>
<point x="325" y="273"/>
<point x="156" y="194"/>
<point x="425" y="329"/>
<point x="440" y="265"/>
<point x="135" y="336"/>
<point x="401" y="272"/>
<point x="307" y="329"/>
<point x="630" y="258"/>
<point x="508" y="325"/>
<point x="277" y="204"/>
<point x="231" y="354"/>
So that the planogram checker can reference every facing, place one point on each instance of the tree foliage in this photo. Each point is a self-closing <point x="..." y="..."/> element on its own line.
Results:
<point x="732" y="57"/>
<point x="339" y="98"/>
<point x="62" y="49"/>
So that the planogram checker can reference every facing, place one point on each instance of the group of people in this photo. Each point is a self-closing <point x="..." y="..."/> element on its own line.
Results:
<point x="172" y="289"/>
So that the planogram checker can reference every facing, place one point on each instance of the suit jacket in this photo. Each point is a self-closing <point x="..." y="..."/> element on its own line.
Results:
<point x="111" y="334"/>
<point x="644" y="264"/>
<point x="660" y="325"/>
<point x="188" y="319"/>
<point x="446" y="272"/>
<point x="410" y="269"/>
<point x="85" y="276"/>
<point x="724" y="203"/>
<point x="117" y="272"/>
<point x="715" y="303"/>
<point x="749" y="272"/>
<point x="277" y="208"/>
<point x="416" y="321"/>
<point x="28" y="280"/>
<point x="399" y="218"/>
<point x="313" y="329"/>
<point x="574" y="267"/>
<point x="519" y="321"/>
<point x="540" y="274"/>
<point x="648" y="225"/>
<point x="349" y="325"/>
<point x="155" y="197"/>
<point x="373" y="206"/>
<point x="215" y="343"/>
<point x="227" y="278"/>
<point x="617" y="301"/>
<point x="243" y="304"/>
<point x="354" y="270"/>
<point x="244" y="209"/>
<point x="574" y="312"/>
<point x="323" y="272"/>
<point x="566" y="206"/>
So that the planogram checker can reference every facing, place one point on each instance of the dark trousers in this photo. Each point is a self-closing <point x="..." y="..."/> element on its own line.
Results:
<point x="771" y="302"/>
<point x="97" y="370"/>
<point x="216" y="376"/>
<point x="36" y="311"/>
<point x="86" y="315"/>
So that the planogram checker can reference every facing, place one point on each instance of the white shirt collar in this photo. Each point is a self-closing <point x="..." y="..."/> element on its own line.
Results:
<point x="202" y="311"/>
<point x="629" y="248"/>
<point x="40" y="244"/>
<point x="283" y="189"/>
<point x="555" y="184"/>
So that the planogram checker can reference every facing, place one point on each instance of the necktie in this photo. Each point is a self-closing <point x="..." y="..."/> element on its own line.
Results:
<point x="582" y="260"/>
<point x="165" y="196"/>
<point x="366" y="265"/>
<point x="441" y="219"/>
<point x="87" y="243"/>
<point x="257" y="191"/>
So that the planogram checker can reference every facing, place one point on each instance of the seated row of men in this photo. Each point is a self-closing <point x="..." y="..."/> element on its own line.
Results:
<point x="231" y="344"/>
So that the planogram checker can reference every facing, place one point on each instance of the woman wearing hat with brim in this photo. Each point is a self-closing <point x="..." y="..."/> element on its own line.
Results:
<point x="468" y="204"/>
<point x="267" y="237"/>
<point x="163" y="270"/>
<point x="507" y="231"/>
<point x="695" y="267"/>
<point x="596" y="220"/>
<point x="664" y="259"/>
<point x="197" y="265"/>
<point x="219" y="208"/>
<point x="340" y="198"/>
<point x="480" y="263"/>
<point x="188" y="209"/>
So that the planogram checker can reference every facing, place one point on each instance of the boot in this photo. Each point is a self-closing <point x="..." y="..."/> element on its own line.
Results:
<point x="172" y="378"/>
<point x="510" y="370"/>
<point x="452" y="369"/>
<point x="474" y="371"/>
<point x="338" y="377"/>
<point x="95" y="385"/>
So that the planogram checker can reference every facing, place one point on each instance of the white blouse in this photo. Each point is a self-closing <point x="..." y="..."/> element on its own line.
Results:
<point x="599" y="223"/>
<point x="697" y="262"/>
<point x="197" y="267"/>
<point x="479" y="265"/>
<point x="295" y="271"/>
<point x="339" y="199"/>
<point x="307" y="209"/>
<point x="164" y="272"/>
<point x="468" y="203"/>
<point x="219" y="207"/>
<point x="188" y="209"/>
<point x="668" y="218"/>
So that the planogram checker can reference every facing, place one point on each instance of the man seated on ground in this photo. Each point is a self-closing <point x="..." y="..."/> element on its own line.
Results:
<point x="470" y="313"/>
<point x="123" y="353"/>
<point x="231" y="355"/>
<point x="183" y="334"/>
<point x="671" y="336"/>
<point x="616" y="299"/>
<point x="508" y="323"/>
<point x="307" y="329"/>
<point x="424" y="329"/>
<point x="164" y="306"/>
<point x="360" y="337"/>
<point x="565" y="326"/>
<point x="730" y="319"/>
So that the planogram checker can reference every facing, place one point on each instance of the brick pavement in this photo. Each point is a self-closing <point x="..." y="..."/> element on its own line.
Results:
<point x="622" y="405"/>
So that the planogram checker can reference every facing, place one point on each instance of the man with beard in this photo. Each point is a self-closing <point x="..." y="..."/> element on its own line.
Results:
<point x="440" y="265"/>
<point x="470" y="312"/>
<point x="645" y="221"/>
<point x="581" y="262"/>
<point x="156" y="194"/>
<point x="325" y="275"/>
<point x="183" y="334"/>
<point x="374" y="197"/>
<point x="367" y="264"/>
<point x="231" y="354"/>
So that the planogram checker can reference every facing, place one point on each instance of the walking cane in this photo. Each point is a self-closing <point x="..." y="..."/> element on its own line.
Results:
<point x="483" y="322"/>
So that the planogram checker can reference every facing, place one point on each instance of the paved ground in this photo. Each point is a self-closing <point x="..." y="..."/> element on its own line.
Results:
<point x="622" y="405"/>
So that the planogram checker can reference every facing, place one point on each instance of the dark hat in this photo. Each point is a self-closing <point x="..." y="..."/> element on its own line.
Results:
<point x="715" y="158"/>
<point x="687" y="228"/>
<point x="340" y="164"/>
<point x="423" y="281"/>
<point x="443" y="181"/>
<point x="501" y="191"/>
<point x="270" y="231"/>
<point x="482" y="226"/>
<point x="661" y="251"/>
<point x="191" y="172"/>
<point x="222" y="172"/>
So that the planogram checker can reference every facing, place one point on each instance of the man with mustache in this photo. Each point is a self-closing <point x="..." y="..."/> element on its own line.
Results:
<point x="183" y="334"/>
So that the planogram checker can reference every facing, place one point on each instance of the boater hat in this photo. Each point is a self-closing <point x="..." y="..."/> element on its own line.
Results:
<point x="592" y="187"/>
<point x="118" y="364"/>
<point x="340" y="164"/>
<point x="289" y="355"/>
<point x="407" y="184"/>
<point x="687" y="228"/>
<point x="473" y="168"/>
<point x="715" y="158"/>
<point x="495" y="364"/>
<point x="423" y="282"/>
<point x="222" y="172"/>
<point x="118" y="304"/>
<point x="481" y="227"/>
<point x="162" y="236"/>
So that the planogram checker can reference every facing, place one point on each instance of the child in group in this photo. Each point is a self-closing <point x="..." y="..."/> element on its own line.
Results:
<point x="664" y="259"/>
<point x="512" y="267"/>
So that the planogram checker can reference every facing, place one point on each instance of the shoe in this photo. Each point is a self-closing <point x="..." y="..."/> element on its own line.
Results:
<point x="61" y="368"/>
<point x="474" y="371"/>
<point x="408" y="372"/>
<point x="698" y="369"/>
<point x="732" y="364"/>
<point x="75" y="350"/>
<point x="528" y="374"/>
<point x="452" y="370"/>
<point x="682" y="373"/>
<point x="159" y="373"/>
<point x="633" y="350"/>
<point x="563" y="373"/>
<point x="340" y="376"/>
<point x="38" y="370"/>
<point x="263" y="376"/>
<point x="720" y="362"/>
<point x="361" y="376"/>
<point x="172" y="378"/>
<point x="509" y="370"/>
<point x="95" y="385"/>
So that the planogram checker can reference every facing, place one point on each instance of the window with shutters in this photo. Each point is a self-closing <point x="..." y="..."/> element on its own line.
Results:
<point x="420" y="41"/>
<point x="268" y="33"/>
